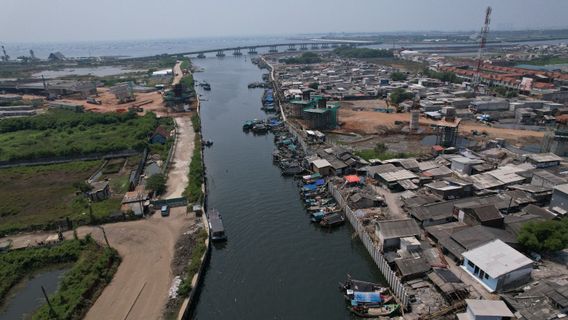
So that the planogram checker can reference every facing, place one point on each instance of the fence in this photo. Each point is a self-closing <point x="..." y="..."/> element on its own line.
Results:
<point x="394" y="282"/>
<point x="172" y="202"/>
<point x="70" y="158"/>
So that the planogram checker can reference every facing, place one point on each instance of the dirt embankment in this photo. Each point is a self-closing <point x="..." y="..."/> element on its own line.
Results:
<point x="367" y="121"/>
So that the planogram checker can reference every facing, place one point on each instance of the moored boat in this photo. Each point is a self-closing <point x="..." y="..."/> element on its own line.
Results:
<point x="386" y="310"/>
<point x="332" y="220"/>
<point x="216" y="228"/>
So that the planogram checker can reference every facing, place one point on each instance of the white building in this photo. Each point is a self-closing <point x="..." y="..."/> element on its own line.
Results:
<point x="485" y="310"/>
<point x="497" y="266"/>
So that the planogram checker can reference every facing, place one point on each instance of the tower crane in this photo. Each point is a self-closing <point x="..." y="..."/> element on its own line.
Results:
<point x="5" y="56"/>
<point x="482" y="42"/>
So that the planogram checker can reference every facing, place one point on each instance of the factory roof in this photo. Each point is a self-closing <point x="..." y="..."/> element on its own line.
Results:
<point x="496" y="258"/>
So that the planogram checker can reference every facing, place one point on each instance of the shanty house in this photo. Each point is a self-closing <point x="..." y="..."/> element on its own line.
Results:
<point x="100" y="191"/>
<point x="486" y="215"/>
<point x="160" y="136"/>
<point x="322" y="167"/>
<point x="390" y="232"/>
<point x="485" y="310"/>
<point x="544" y="160"/>
<point x="559" y="201"/>
<point x="497" y="266"/>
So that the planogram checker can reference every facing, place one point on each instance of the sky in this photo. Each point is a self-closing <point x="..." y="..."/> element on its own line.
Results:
<point x="88" y="20"/>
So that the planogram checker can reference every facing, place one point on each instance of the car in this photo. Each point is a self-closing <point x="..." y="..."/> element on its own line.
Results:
<point x="165" y="211"/>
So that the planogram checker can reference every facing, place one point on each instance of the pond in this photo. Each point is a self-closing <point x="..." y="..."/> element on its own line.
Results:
<point x="27" y="297"/>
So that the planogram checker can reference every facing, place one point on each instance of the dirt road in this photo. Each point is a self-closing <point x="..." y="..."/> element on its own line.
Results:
<point x="179" y="167"/>
<point x="139" y="289"/>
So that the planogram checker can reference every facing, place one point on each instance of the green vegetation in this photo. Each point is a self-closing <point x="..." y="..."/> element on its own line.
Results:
<point x="197" y="252"/>
<point x="163" y="149"/>
<point x="543" y="61"/>
<point x="65" y="133"/>
<point x="37" y="197"/>
<point x="193" y="191"/>
<point x="381" y="152"/>
<point x="93" y="269"/>
<point x="442" y="76"/>
<point x="398" y="76"/>
<point x="305" y="58"/>
<point x="196" y="123"/>
<point x="185" y="64"/>
<point x="398" y="95"/>
<point x="157" y="183"/>
<point x="545" y="236"/>
<point x="362" y="53"/>
<point x="505" y="92"/>
<point x="82" y="285"/>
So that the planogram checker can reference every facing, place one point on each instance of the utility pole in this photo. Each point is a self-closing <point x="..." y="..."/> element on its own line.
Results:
<point x="51" y="311"/>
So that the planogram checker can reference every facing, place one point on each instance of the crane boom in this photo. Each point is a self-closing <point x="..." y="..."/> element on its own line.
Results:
<point x="482" y="43"/>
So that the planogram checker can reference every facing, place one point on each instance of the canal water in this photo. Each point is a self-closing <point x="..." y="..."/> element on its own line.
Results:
<point x="275" y="265"/>
<point x="27" y="296"/>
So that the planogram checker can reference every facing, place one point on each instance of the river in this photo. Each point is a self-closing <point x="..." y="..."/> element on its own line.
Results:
<point x="275" y="265"/>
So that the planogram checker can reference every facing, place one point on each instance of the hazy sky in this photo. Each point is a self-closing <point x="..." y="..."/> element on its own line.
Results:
<point x="75" y="20"/>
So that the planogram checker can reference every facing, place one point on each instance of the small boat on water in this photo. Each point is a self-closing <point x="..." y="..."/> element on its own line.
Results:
<point x="208" y="143"/>
<point x="386" y="310"/>
<point x="206" y="86"/>
<point x="260" y="128"/>
<point x="363" y="286"/>
<point x="332" y="220"/>
<point x="216" y="228"/>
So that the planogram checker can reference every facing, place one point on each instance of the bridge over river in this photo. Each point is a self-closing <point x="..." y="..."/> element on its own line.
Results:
<point x="273" y="48"/>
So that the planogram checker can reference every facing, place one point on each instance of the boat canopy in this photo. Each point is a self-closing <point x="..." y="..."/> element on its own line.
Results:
<point x="352" y="179"/>
<point x="320" y="182"/>
<point x="366" y="297"/>
<point x="313" y="176"/>
<point x="310" y="187"/>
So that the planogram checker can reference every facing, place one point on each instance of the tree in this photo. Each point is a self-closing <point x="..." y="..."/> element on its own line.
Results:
<point x="398" y="95"/>
<point x="398" y="76"/>
<point x="157" y="183"/>
<point x="544" y="236"/>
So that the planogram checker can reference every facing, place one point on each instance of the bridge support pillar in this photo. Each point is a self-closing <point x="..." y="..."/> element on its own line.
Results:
<point x="334" y="45"/>
<point x="315" y="46"/>
<point x="237" y="52"/>
<point x="273" y="49"/>
<point x="220" y="53"/>
<point x="303" y="47"/>
<point x="201" y="56"/>
<point x="252" y="50"/>
<point x="324" y="46"/>
<point x="291" y="47"/>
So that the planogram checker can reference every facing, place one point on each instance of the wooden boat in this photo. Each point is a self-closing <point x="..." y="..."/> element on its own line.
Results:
<point x="374" y="312"/>
<point x="216" y="228"/>
<point x="332" y="220"/>
<point x="363" y="286"/>
<point x="208" y="143"/>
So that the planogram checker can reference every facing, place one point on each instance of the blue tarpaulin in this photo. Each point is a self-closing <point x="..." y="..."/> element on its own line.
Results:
<point x="320" y="182"/>
<point x="367" y="297"/>
<point x="310" y="187"/>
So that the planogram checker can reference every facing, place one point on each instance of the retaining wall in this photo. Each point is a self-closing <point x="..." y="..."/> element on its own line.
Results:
<point x="393" y="280"/>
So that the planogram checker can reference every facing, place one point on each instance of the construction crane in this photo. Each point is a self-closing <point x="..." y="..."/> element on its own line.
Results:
<point x="5" y="56"/>
<point x="482" y="41"/>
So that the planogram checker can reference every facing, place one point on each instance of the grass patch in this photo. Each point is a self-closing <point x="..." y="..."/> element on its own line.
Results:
<point x="36" y="197"/>
<point x="196" y="254"/>
<point x="66" y="133"/>
<point x="380" y="152"/>
<point x="82" y="285"/>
